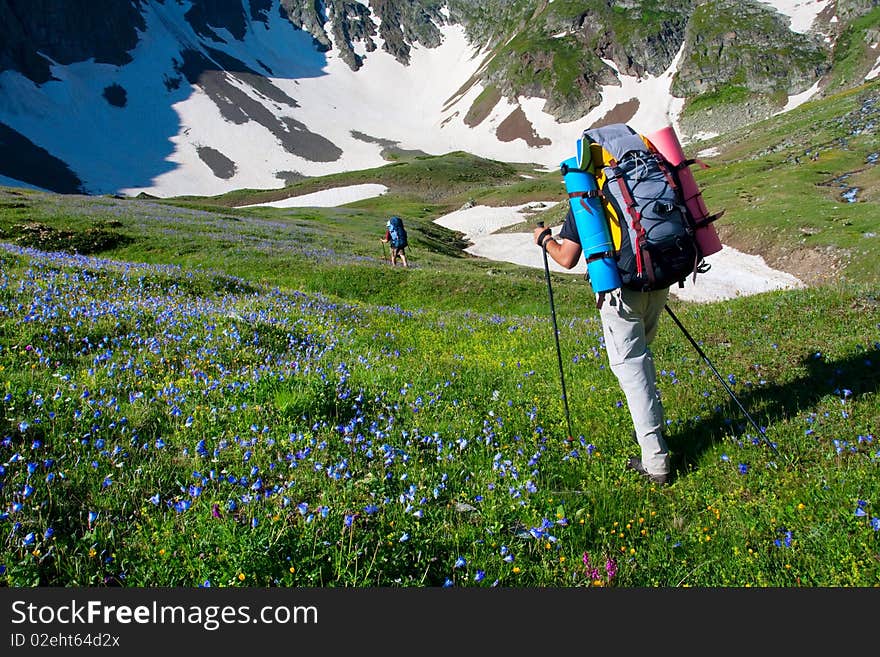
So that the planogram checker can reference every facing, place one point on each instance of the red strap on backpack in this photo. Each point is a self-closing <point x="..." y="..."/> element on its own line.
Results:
<point x="643" y="258"/>
<point x="590" y="193"/>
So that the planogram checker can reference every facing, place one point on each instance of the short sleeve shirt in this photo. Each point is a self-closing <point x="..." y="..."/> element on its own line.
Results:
<point x="569" y="229"/>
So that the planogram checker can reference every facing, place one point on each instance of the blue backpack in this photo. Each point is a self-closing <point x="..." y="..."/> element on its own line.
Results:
<point x="397" y="233"/>
<point x="653" y="232"/>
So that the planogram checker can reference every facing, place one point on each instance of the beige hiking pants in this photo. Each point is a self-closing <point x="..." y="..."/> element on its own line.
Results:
<point x="629" y="321"/>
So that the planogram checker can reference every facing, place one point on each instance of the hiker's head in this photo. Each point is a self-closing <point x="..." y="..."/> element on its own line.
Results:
<point x="388" y="224"/>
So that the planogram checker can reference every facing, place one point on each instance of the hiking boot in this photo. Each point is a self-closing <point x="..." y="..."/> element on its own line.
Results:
<point x="635" y="463"/>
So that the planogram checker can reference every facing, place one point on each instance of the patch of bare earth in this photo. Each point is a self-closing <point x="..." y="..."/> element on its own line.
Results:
<point x="813" y="266"/>
<point x="620" y="113"/>
<point x="518" y="126"/>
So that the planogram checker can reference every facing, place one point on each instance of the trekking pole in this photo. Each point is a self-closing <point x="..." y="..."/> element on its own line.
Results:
<point x="555" y="333"/>
<point x="384" y="257"/>
<point x="720" y="378"/>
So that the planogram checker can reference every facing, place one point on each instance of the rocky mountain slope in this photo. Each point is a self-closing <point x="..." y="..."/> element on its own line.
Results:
<point x="202" y="96"/>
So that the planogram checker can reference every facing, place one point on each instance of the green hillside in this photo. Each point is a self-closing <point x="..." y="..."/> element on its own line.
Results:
<point x="199" y="394"/>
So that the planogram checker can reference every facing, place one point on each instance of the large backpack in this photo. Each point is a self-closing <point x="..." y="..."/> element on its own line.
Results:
<point x="397" y="233"/>
<point x="651" y="229"/>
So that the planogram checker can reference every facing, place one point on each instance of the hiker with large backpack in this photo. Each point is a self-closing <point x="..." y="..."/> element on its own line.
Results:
<point x="395" y="235"/>
<point x="628" y="216"/>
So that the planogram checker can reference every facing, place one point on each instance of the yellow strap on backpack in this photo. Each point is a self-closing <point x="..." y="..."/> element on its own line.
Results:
<point x="601" y="158"/>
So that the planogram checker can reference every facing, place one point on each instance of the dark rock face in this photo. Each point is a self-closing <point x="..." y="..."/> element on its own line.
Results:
<point x="847" y="10"/>
<point x="218" y="13"/>
<point x="743" y="43"/>
<point x="23" y="160"/>
<point x="116" y="95"/>
<point x="220" y="165"/>
<point x="66" y="32"/>
<point x="398" y="23"/>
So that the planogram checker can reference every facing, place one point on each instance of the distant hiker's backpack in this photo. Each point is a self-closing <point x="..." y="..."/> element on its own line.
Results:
<point x="651" y="228"/>
<point x="397" y="233"/>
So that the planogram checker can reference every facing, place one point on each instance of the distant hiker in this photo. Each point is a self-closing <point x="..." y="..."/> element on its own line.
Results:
<point x="395" y="234"/>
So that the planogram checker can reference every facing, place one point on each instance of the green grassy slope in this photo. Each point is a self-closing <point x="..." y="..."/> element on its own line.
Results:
<point x="783" y="184"/>
<point x="255" y="398"/>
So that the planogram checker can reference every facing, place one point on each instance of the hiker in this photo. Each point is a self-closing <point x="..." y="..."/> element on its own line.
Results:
<point x="629" y="323"/>
<point x="395" y="234"/>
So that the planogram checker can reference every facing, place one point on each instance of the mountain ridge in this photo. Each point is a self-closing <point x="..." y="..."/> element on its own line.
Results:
<point x="515" y="81"/>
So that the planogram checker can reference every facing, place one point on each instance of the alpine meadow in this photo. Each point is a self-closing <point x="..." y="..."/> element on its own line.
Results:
<point x="200" y="394"/>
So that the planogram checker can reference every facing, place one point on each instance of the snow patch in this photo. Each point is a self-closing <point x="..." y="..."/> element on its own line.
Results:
<point x="802" y="13"/>
<point x="328" y="198"/>
<point x="732" y="273"/>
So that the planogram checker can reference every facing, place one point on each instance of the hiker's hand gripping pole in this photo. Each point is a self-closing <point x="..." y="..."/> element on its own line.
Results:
<point x="542" y="240"/>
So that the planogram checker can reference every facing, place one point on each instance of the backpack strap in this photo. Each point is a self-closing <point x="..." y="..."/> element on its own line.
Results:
<point x="643" y="258"/>
<point x="689" y="162"/>
<point x="664" y="166"/>
<point x="601" y="256"/>
<point x="590" y="193"/>
<point x="700" y="265"/>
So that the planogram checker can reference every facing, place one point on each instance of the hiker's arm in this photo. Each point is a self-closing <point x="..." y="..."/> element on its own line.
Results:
<point x="565" y="252"/>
